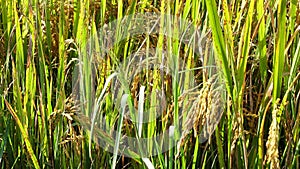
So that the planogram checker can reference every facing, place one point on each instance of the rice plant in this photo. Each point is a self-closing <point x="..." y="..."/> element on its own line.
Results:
<point x="149" y="84"/>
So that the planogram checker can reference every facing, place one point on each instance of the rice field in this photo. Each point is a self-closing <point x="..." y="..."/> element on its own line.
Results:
<point x="149" y="84"/>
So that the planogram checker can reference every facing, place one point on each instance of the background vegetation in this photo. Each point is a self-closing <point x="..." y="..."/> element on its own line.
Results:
<point x="254" y="46"/>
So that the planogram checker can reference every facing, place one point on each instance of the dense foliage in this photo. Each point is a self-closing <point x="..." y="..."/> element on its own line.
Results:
<point x="231" y="83"/>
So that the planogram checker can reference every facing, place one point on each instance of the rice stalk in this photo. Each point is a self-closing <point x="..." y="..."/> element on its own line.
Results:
<point x="272" y="155"/>
<point x="24" y="135"/>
